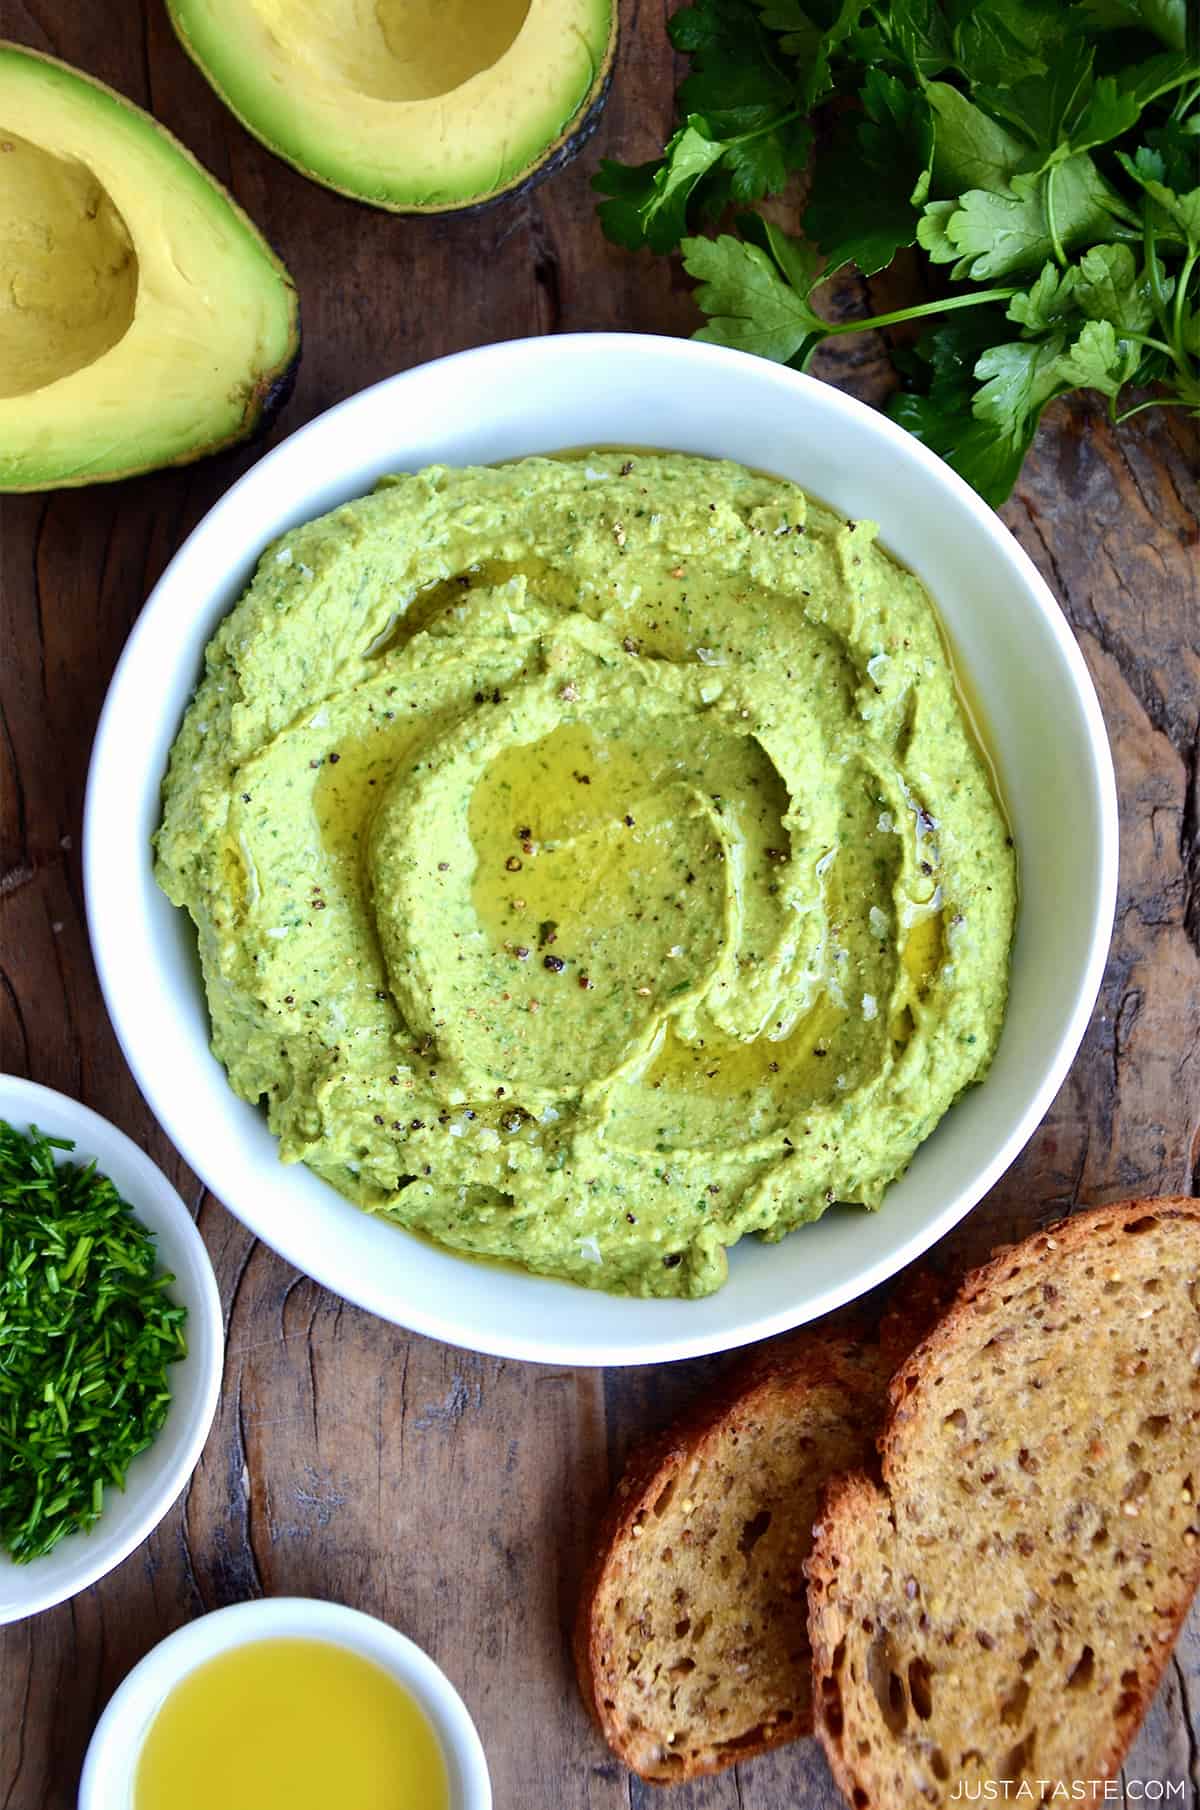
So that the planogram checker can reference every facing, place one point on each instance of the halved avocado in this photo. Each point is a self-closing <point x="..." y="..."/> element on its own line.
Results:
<point x="420" y="106"/>
<point x="144" y="321"/>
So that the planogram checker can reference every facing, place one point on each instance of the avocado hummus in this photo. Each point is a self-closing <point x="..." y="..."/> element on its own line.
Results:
<point x="592" y="861"/>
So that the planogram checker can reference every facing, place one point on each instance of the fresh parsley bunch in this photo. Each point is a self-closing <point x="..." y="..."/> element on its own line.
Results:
<point x="1045" y="152"/>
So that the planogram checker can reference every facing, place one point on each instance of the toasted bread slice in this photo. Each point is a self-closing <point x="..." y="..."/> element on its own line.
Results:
<point x="690" y="1641"/>
<point x="915" y="1303"/>
<point x="1003" y="1606"/>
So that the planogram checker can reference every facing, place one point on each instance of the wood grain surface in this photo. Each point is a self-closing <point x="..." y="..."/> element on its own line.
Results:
<point x="451" y="1494"/>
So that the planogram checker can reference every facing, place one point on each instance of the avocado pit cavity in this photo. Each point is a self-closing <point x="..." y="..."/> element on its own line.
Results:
<point x="70" y="268"/>
<point x="396" y="50"/>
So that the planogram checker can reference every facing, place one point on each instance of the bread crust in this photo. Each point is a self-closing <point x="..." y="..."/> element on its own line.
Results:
<point x="915" y="1304"/>
<point x="1051" y="1244"/>
<point x="850" y="1500"/>
<point x="795" y="1367"/>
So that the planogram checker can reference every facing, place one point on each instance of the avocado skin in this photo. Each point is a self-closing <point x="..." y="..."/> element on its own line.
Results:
<point x="278" y="392"/>
<point x="271" y="397"/>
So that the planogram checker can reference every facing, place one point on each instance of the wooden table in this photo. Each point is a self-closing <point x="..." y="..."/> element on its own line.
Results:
<point x="451" y="1494"/>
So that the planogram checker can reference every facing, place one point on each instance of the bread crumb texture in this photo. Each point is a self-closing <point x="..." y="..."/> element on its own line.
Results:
<point x="1003" y="1606"/>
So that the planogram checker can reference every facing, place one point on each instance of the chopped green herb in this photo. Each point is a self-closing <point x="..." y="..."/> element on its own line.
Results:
<point x="87" y="1331"/>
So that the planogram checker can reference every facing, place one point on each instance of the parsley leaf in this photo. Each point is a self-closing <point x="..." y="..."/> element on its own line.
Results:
<point x="1043" y="156"/>
<point x="1098" y="360"/>
<point x="1159" y="75"/>
<point x="1018" y="381"/>
<point x="918" y="35"/>
<point x="1178" y="212"/>
<point x="650" y="201"/>
<point x="741" y="135"/>
<point x="793" y="255"/>
<point x="759" y="165"/>
<point x="1041" y="105"/>
<point x="1064" y="109"/>
<point x="813" y="35"/>
<point x="995" y="232"/>
<point x="1048" y="303"/>
<point x="1007" y="40"/>
<point x="1108" y="111"/>
<point x="1111" y="288"/>
<point x="803" y="35"/>
<point x="734" y="81"/>
<point x="1167" y="19"/>
<point x="936" y="408"/>
<point x="1178" y="144"/>
<point x="752" y="305"/>
<point x="653" y="210"/>
<point x="985" y="431"/>
<point x="631" y="188"/>
<point x="884" y="161"/>
<point x="1104" y="286"/>
<point x="972" y="149"/>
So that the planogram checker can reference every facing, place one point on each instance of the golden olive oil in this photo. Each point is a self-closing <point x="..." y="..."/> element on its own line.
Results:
<point x="290" y="1725"/>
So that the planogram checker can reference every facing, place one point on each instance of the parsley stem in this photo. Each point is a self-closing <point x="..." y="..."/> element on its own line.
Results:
<point x="1051" y="221"/>
<point x="1145" y="339"/>
<point x="1154" y="269"/>
<point x="772" y="125"/>
<point x="918" y="312"/>
<point x="1156" y="402"/>
<point x="1184" y="101"/>
<point x="1171" y="329"/>
<point x="1181" y="285"/>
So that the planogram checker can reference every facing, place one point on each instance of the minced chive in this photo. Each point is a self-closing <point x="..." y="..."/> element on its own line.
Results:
<point x="84" y="1319"/>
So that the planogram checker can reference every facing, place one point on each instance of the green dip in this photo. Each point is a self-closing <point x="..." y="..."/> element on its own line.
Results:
<point x="592" y="861"/>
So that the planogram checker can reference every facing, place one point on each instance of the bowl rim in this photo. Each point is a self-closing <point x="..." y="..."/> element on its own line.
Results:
<point x="110" y="1763"/>
<point x="156" y="1202"/>
<point x="692" y="359"/>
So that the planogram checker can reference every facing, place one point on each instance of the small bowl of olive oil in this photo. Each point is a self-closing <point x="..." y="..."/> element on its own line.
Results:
<point x="286" y="1703"/>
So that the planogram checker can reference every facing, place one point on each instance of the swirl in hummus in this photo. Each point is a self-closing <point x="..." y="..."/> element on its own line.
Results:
<point x="592" y="861"/>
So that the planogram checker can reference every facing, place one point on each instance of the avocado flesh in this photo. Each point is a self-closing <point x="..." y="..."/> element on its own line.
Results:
<point x="420" y="106"/>
<point x="143" y="319"/>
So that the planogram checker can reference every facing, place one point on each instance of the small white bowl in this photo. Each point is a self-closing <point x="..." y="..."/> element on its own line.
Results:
<point x="1026" y="674"/>
<point x="157" y="1476"/>
<point x="110" y="1766"/>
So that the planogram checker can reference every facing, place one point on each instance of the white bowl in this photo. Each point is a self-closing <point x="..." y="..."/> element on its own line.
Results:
<point x="1027" y="674"/>
<point x="156" y="1477"/>
<point x="110" y="1766"/>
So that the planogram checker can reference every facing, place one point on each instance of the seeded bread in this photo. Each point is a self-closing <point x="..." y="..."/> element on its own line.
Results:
<point x="690" y="1641"/>
<point x="1003" y="1605"/>
<point x="915" y="1303"/>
